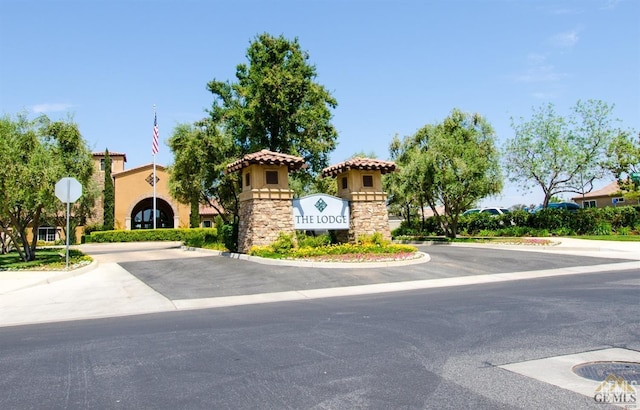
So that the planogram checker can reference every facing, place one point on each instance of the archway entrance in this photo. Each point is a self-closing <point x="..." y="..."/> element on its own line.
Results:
<point x="142" y="214"/>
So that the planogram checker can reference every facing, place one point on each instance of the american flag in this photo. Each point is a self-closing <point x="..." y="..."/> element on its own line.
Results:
<point x="156" y="134"/>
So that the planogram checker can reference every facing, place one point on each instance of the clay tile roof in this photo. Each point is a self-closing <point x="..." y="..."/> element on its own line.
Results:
<point x="266" y="157"/>
<point x="384" y="167"/>
<point x="207" y="210"/>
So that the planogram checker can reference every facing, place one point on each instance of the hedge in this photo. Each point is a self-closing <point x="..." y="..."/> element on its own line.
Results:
<point x="192" y="237"/>
<point x="622" y="220"/>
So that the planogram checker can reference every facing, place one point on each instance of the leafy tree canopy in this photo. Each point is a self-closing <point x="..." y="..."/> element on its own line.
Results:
<point x="624" y="162"/>
<point x="274" y="104"/>
<point x="447" y="166"/>
<point x="35" y="154"/>
<point x="561" y="154"/>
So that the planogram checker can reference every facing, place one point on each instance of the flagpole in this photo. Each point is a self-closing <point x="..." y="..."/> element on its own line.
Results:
<point x="155" y="124"/>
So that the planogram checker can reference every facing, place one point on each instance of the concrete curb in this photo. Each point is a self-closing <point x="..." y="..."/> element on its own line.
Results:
<point x="53" y="276"/>
<point x="422" y="258"/>
<point x="357" y="290"/>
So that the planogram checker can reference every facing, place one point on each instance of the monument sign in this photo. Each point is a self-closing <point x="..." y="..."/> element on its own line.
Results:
<point x="320" y="212"/>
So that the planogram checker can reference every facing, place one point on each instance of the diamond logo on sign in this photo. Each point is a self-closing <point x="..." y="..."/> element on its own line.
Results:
<point x="320" y="205"/>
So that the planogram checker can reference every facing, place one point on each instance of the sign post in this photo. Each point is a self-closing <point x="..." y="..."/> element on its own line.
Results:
<point x="68" y="190"/>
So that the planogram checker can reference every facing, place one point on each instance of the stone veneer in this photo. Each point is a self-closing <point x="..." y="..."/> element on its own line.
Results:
<point x="367" y="218"/>
<point x="262" y="220"/>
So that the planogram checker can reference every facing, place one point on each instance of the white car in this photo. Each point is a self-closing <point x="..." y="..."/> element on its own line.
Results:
<point x="491" y="211"/>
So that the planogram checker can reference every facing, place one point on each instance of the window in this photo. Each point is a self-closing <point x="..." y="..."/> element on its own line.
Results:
<point x="47" y="234"/>
<point x="589" y="204"/>
<point x="206" y="224"/>
<point x="618" y="200"/>
<point x="272" y="177"/>
<point x="344" y="182"/>
<point x="247" y="179"/>
<point x="367" y="181"/>
<point x="102" y="164"/>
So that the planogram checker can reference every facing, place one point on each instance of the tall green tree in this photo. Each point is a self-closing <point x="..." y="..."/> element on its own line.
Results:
<point x="71" y="157"/>
<point x="561" y="154"/>
<point x="448" y="166"/>
<point x="277" y="105"/>
<point x="108" y="195"/>
<point x="197" y="175"/>
<point x="26" y="170"/>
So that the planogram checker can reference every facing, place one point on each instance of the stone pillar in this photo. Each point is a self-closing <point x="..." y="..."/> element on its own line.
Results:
<point x="266" y="207"/>
<point x="263" y="216"/>
<point x="369" y="215"/>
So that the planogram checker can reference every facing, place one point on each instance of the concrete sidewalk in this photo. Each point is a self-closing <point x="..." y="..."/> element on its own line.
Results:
<point x="105" y="289"/>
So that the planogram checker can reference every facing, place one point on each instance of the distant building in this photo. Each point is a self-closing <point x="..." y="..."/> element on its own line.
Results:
<point x="607" y="196"/>
<point x="134" y="197"/>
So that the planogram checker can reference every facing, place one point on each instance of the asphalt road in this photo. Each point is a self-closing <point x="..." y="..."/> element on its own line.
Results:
<point x="218" y="276"/>
<point x="434" y="348"/>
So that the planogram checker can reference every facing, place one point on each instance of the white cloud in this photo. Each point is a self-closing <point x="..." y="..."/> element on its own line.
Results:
<point x="47" y="108"/>
<point x="566" y="39"/>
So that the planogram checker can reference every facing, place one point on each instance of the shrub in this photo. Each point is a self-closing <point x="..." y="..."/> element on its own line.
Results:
<point x="563" y="231"/>
<point x="603" y="228"/>
<point x="284" y="243"/>
<point x="200" y="237"/>
<point x="625" y="216"/>
<point x="92" y="228"/>
<point x="487" y="232"/>
<point x="230" y="236"/>
<point x="475" y="223"/>
<point x="624" y="230"/>
<point x="313" y="241"/>
<point x="374" y="239"/>
<point x="517" y="218"/>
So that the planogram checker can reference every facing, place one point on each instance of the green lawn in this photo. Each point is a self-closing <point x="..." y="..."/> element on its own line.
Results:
<point x="46" y="259"/>
<point x="620" y="238"/>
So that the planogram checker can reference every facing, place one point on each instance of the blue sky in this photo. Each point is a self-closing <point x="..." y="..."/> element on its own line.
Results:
<point x="392" y="65"/>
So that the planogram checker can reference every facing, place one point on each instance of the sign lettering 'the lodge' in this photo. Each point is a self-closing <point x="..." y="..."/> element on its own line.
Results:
<point x="320" y="212"/>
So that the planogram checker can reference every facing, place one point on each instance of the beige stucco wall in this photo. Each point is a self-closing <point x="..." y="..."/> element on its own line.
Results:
<point x="606" y="200"/>
<point x="131" y="187"/>
<point x="355" y="184"/>
<point x="258" y="179"/>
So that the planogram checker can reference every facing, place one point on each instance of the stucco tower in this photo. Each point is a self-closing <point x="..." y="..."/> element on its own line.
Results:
<point x="360" y="182"/>
<point x="265" y="201"/>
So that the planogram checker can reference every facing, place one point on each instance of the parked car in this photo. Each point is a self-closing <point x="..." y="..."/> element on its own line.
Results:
<point x="569" y="206"/>
<point x="491" y="211"/>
